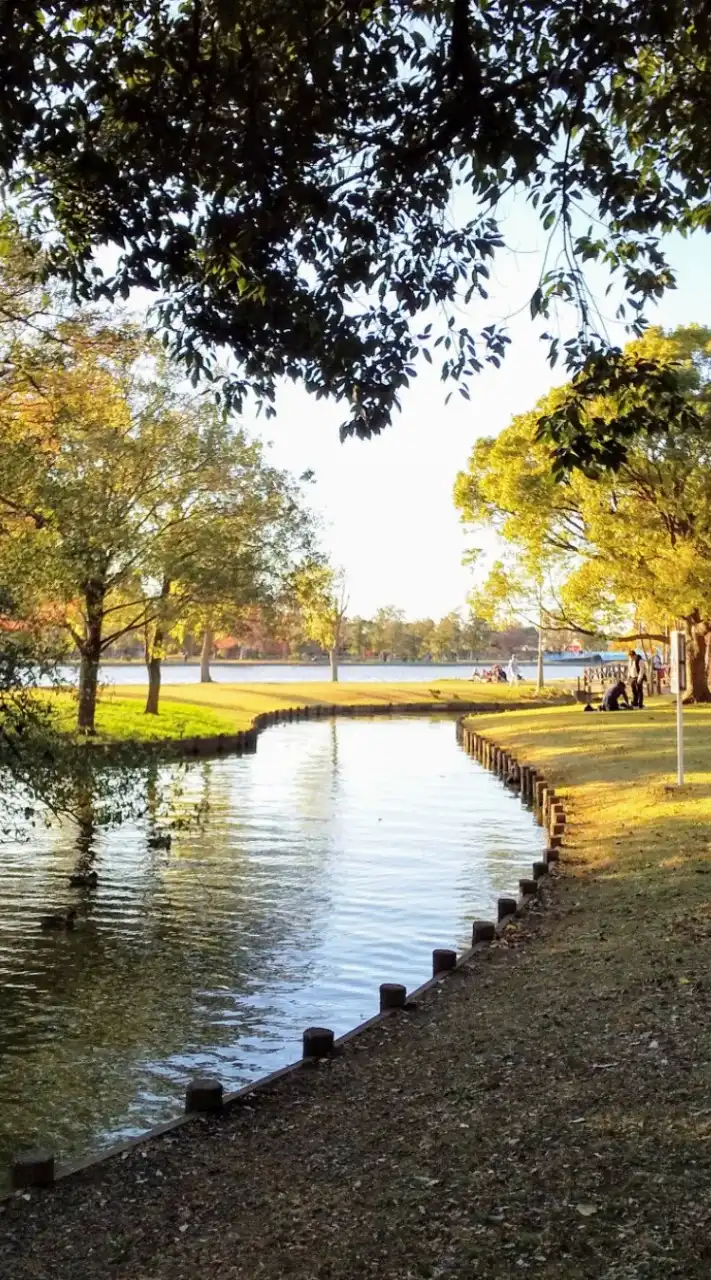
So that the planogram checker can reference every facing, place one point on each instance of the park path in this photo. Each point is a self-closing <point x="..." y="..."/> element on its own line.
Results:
<point x="545" y="1112"/>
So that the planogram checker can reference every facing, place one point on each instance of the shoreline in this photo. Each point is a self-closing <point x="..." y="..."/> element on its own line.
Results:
<point x="196" y="719"/>
<point x="418" y="663"/>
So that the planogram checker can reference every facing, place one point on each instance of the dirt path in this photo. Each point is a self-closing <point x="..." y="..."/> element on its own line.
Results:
<point x="546" y="1112"/>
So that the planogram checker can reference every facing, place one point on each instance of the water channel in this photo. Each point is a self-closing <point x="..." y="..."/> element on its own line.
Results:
<point x="334" y="859"/>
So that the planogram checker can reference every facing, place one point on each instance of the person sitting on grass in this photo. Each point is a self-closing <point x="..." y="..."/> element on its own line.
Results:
<point x="611" y="697"/>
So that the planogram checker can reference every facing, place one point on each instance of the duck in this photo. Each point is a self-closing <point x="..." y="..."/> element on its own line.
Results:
<point x="84" y="880"/>
<point x="60" y="920"/>
<point x="160" y="842"/>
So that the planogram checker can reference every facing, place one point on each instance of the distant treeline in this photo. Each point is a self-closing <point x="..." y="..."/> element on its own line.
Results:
<point x="388" y="636"/>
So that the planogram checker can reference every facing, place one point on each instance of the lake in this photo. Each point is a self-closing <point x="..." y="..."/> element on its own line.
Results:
<point x="334" y="859"/>
<point x="252" y="673"/>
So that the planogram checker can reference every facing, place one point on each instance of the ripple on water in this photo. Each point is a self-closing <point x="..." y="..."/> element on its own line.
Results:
<point x="334" y="859"/>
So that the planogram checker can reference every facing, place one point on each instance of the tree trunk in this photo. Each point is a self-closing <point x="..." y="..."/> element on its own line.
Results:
<point x="205" y="655"/>
<point x="333" y="655"/>
<point x="90" y="658"/>
<point x="697" y="682"/>
<point x="153" y="661"/>
<point x="540" y="681"/>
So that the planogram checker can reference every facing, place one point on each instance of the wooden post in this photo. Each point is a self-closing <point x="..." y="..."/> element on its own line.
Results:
<point x="443" y="960"/>
<point x="317" y="1042"/>
<point x="527" y="888"/>
<point x="506" y="907"/>
<point x="204" y="1093"/>
<point x="392" y="996"/>
<point x="540" y="869"/>
<point x="483" y="931"/>
<point x="32" y="1169"/>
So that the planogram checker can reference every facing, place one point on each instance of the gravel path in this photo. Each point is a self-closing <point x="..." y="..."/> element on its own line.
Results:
<point x="544" y="1112"/>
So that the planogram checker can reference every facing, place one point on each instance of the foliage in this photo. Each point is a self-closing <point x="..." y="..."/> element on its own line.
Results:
<point x="320" y="591"/>
<point x="626" y="550"/>
<point x="43" y="775"/>
<point x="126" y="501"/>
<point x="649" y="396"/>
<point x="233" y="543"/>
<point x="313" y="188"/>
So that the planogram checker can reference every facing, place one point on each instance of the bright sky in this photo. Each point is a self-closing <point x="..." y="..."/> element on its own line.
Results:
<point x="387" y="503"/>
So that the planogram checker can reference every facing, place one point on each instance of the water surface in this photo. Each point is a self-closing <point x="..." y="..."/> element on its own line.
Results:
<point x="334" y="859"/>
<point x="114" y="673"/>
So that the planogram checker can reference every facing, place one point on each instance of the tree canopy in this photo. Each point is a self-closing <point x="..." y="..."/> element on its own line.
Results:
<point x="313" y="188"/>
<point x="322" y="595"/>
<point x="125" y="499"/>
<point x="624" y="551"/>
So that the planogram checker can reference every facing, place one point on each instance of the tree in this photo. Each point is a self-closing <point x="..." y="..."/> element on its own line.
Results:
<point x="475" y="634"/>
<point x="447" y="637"/>
<point x="321" y="594"/>
<point x="388" y="632"/>
<point x="283" y="177"/>
<point x="231" y="540"/>
<point x="106" y="482"/>
<point x="629" y="550"/>
<point x="418" y="639"/>
<point x="359" y="633"/>
<point x="45" y="773"/>
<point x="514" y="594"/>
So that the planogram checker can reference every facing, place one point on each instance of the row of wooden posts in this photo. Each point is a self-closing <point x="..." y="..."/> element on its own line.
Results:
<point x="206" y="1095"/>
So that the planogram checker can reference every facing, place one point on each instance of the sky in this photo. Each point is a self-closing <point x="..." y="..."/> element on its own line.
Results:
<point x="386" y="503"/>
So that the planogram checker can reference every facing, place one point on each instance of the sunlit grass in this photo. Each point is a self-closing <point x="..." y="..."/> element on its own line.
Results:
<point x="123" y="719"/>
<point x="188" y="710"/>
<point x="240" y="703"/>
<point x="617" y="772"/>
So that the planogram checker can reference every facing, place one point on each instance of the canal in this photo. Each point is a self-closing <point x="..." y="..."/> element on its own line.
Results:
<point x="333" y="860"/>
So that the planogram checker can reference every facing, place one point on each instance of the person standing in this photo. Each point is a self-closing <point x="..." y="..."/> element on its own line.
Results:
<point x="632" y="671"/>
<point x="641" y="677"/>
<point x="512" y="672"/>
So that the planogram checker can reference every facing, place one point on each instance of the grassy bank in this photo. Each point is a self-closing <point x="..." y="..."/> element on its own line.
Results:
<point x="545" y="1113"/>
<point x="616" y="771"/>
<point x="205" y="709"/>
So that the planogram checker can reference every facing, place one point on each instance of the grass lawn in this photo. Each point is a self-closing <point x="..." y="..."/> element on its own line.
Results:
<point x="123" y="719"/>
<point x="222" y="707"/>
<point x="613" y="770"/>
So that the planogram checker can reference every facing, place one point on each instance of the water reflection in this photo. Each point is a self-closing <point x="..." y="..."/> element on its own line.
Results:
<point x="334" y="859"/>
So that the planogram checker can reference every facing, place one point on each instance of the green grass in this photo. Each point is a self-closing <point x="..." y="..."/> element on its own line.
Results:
<point x="121" y="719"/>
<point x="188" y="710"/>
<point x="617" y="772"/>
<point x="238" y="704"/>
